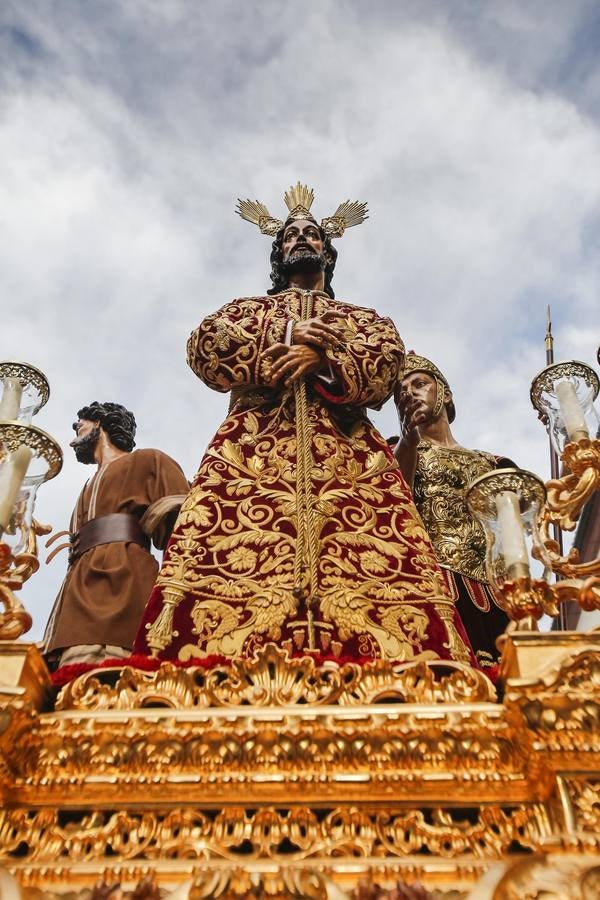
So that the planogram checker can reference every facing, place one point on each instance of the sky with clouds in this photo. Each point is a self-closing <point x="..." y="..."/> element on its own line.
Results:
<point x="128" y="128"/>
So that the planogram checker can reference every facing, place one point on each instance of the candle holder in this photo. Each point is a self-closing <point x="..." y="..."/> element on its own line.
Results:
<point x="47" y="457"/>
<point x="563" y="395"/>
<point x="24" y="390"/>
<point x="15" y="570"/>
<point x="559" y="502"/>
<point x="507" y="503"/>
<point x="580" y="581"/>
<point x="28" y="458"/>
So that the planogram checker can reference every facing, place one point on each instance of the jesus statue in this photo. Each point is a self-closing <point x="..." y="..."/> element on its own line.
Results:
<point x="299" y="528"/>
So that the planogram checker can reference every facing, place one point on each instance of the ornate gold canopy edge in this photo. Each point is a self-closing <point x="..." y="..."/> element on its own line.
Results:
<point x="322" y="879"/>
<point x="415" y="771"/>
<point x="273" y="678"/>
<point x="555" y="876"/>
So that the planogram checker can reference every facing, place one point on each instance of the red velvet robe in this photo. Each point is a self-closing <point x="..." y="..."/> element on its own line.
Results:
<point x="299" y="527"/>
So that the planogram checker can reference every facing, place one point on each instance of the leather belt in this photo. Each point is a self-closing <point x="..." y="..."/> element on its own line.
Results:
<point x="107" y="530"/>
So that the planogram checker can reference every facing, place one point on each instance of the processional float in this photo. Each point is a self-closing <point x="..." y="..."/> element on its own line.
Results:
<point x="279" y="777"/>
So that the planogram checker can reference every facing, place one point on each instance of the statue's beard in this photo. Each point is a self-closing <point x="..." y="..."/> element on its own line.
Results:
<point x="304" y="261"/>
<point x="85" y="447"/>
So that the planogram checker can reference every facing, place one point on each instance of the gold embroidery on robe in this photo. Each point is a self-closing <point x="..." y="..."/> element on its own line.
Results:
<point x="299" y="527"/>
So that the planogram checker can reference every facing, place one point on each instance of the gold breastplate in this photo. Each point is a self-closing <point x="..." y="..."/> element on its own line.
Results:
<point x="442" y="477"/>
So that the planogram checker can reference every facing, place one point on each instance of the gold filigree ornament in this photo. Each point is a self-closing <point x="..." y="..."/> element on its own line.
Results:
<point x="525" y="599"/>
<point x="272" y="678"/>
<point x="560" y="502"/>
<point x="544" y="396"/>
<point x="561" y="710"/>
<point x="282" y="884"/>
<point x="14" y="572"/>
<point x="15" y="434"/>
<point x="551" y="877"/>
<point x="16" y="567"/>
<point x="579" y="581"/>
<point x="568" y="495"/>
<point x="570" y="422"/>
<point x="294" y="835"/>
<point x="34" y="385"/>
<point x="299" y="199"/>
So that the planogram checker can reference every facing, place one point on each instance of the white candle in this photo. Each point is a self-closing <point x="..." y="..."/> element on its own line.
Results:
<point x="11" y="398"/>
<point x="571" y="410"/>
<point x="514" y="548"/>
<point x="12" y="473"/>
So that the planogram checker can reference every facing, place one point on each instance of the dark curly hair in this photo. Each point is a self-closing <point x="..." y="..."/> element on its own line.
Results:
<point x="278" y="274"/>
<point x="115" y="420"/>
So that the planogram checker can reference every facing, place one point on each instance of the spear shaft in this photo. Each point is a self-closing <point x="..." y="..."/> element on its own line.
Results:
<point x="554" y="464"/>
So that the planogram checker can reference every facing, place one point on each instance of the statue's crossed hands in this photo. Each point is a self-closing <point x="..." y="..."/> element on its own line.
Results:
<point x="316" y="332"/>
<point x="291" y="363"/>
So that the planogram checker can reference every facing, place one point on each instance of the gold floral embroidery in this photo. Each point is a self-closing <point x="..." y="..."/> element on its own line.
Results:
<point x="299" y="527"/>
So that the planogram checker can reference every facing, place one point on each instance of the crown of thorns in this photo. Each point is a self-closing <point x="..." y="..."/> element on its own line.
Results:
<point x="299" y="200"/>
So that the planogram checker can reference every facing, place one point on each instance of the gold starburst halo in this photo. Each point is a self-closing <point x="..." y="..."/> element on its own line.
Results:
<point x="299" y="199"/>
<point x="258" y="214"/>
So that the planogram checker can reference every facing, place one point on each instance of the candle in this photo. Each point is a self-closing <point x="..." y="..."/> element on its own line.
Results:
<point x="12" y="473"/>
<point x="571" y="410"/>
<point x="514" y="549"/>
<point x="11" y="398"/>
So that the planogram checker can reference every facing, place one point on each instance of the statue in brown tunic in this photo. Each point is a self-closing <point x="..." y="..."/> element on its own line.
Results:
<point x="132" y="498"/>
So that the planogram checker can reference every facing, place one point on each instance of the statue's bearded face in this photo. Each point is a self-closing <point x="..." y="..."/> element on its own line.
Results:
<point x="302" y="247"/>
<point x="431" y="396"/>
<point x="86" y="440"/>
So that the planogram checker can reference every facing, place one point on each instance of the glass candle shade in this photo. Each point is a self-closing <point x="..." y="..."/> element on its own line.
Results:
<point x="563" y="395"/>
<point x="507" y="504"/>
<point x="18" y="528"/>
<point x="12" y="472"/>
<point x="23" y="391"/>
<point x="28" y="457"/>
<point x="10" y="401"/>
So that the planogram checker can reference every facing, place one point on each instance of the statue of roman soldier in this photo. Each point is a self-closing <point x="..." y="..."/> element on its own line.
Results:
<point x="440" y="470"/>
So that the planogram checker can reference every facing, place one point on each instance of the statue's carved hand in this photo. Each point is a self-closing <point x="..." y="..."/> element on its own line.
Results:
<point x="410" y="415"/>
<point x="316" y="332"/>
<point x="291" y="363"/>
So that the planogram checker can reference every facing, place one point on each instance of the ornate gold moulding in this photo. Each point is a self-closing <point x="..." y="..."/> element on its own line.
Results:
<point x="279" y="771"/>
<point x="273" y="766"/>
<point x="14" y="572"/>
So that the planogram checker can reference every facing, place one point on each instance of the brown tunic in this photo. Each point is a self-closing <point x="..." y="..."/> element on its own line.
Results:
<point x="102" y="598"/>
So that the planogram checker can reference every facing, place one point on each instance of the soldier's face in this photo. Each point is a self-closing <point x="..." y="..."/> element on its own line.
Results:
<point x="423" y="388"/>
<point x="300" y="239"/>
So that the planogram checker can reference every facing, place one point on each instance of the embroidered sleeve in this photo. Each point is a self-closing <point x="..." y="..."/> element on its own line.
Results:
<point x="224" y="351"/>
<point x="368" y="364"/>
